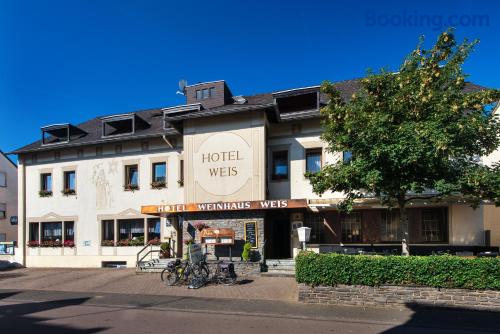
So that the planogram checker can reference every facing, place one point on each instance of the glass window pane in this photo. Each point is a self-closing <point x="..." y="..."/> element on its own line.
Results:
<point x="70" y="180"/>
<point x="52" y="231"/>
<point x="132" y="175"/>
<point x="69" y="231"/>
<point x="108" y="230"/>
<point x="280" y="165"/>
<point x="160" y="172"/>
<point x="46" y="182"/>
<point x="154" y="228"/>
<point x="131" y="229"/>
<point x="3" y="179"/>
<point x="347" y="156"/>
<point x="33" y="232"/>
<point x="351" y="227"/>
<point x="313" y="161"/>
<point x="198" y="94"/>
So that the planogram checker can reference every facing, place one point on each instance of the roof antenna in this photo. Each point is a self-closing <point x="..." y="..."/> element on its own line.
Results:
<point x="182" y="87"/>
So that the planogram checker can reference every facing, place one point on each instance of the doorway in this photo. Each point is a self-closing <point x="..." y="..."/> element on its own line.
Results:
<point x="277" y="235"/>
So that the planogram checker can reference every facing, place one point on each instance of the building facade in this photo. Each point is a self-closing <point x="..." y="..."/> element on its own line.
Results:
<point x="98" y="192"/>
<point x="8" y="199"/>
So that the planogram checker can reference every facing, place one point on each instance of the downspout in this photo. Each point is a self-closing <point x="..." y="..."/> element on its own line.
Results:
<point x="165" y="139"/>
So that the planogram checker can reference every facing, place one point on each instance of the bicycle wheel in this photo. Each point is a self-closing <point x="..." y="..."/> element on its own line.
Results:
<point x="202" y="270"/>
<point x="169" y="276"/>
<point x="229" y="280"/>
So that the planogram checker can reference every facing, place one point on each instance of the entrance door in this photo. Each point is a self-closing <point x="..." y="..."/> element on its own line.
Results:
<point x="277" y="234"/>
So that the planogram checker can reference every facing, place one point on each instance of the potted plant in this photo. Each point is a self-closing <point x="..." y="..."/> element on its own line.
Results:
<point x="33" y="243"/>
<point x="154" y="242"/>
<point x="45" y="193"/>
<point x="107" y="243"/>
<point x="158" y="184"/>
<point x="131" y="187"/>
<point x="69" y="243"/>
<point x="247" y="252"/>
<point x="165" y="250"/>
<point x="68" y="192"/>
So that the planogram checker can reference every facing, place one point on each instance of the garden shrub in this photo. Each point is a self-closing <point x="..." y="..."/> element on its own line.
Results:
<point x="444" y="271"/>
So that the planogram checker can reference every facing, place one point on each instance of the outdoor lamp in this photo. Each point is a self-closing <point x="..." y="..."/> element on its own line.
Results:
<point x="304" y="234"/>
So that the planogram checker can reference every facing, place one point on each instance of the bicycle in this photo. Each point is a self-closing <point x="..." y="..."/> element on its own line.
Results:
<point x="225" y="274"/>
<point x="184" y="271"/>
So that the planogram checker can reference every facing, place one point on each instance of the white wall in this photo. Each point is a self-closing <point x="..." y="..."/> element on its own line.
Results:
<point x="8" y="196"/>
<point x="466" y="226"/>
<point x="280" y="137"/>
<point x="99" y="193"/>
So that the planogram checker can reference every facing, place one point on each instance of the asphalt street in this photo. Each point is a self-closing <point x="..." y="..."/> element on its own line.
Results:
<point x="35" y="311"/>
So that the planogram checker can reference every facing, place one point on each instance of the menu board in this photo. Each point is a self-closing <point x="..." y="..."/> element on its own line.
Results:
<point x="251" y="233"/>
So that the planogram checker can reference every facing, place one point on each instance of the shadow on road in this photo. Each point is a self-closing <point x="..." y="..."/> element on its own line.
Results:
<point x="20" y="318"/>
<point x="434" y="317"/>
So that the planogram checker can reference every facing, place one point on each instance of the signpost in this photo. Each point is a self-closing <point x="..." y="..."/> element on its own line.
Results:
<point x="251" y="233"/>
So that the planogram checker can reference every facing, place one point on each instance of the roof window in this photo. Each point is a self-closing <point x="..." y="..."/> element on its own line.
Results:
<point x="120" y="125"/>
<point x="60" y="133"/>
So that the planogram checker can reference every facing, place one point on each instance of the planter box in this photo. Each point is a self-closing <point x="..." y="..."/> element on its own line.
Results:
<point x="51" y="251"/>
<point x="399" y="296"/>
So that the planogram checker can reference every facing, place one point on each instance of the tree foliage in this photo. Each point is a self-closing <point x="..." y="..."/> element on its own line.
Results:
<point x="413" y="130"/>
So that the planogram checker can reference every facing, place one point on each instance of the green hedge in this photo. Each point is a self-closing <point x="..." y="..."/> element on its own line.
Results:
<point x="434" y="271"/>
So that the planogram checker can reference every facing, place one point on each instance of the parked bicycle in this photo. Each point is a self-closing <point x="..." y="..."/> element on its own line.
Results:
<point x="183" y="271"/>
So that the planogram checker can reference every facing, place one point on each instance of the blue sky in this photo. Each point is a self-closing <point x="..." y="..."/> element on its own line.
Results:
<point x="69" y="61"/>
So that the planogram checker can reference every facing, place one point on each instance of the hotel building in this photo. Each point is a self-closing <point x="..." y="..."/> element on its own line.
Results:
<point x="222" y="160"/>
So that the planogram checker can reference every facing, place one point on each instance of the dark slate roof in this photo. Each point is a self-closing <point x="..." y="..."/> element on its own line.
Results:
<point x="93" y="127"/>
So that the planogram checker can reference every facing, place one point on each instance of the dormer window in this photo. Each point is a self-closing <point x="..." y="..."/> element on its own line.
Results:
<point x="119" y="125"/>
<point x="205" y="93"/>
<point x="60" y="133"/>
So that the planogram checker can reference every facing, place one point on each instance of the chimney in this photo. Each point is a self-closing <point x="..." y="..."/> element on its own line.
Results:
<point x="209" y="94"/>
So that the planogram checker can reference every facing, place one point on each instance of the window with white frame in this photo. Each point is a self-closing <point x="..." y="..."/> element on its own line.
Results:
<point x="131" y="229"/>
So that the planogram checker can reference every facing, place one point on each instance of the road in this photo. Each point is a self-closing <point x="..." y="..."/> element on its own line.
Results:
<point x="36" y="311"/>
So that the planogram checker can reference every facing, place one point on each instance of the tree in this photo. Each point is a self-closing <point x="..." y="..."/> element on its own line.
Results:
<point x="412" y="131"/>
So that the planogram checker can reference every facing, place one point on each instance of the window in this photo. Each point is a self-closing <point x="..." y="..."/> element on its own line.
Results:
<point x="3" y="179"/>
<point x="434" y="225"/>
<point x="33" y="232"/>
<point x="280" y="165"/>
<point x="46" y="182"/>
<point x="154" y="228"/>
<point x="69" y="182"/>
<point x="69" y="231"/>
<point x="181" y="172"/>
<point x="118" y="125"/>
<point x="313" y="160"/>
<point x="108" y="230"/>
<point x="350" y="226"/>
<point x="160" y="172"/>
<point x="317" y="223"/>
<point x="55" y="134"/>
<point x="391" y="226"/>
<point x="3" y="210"/>
<point x="52" y="231"/>
<point x="346" y="156"/>
<point x="3" y="237"/>
<point x="131" y="229"/>
<point x="131" y="177"/>
<point x="205" y="93"/>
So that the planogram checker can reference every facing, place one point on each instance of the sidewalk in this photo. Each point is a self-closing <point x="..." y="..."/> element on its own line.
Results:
<point x="127" y="281"/>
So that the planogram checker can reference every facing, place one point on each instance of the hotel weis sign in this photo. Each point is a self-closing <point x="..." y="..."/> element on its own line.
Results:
<point x="225" y="206"/>
<point x="222" y="164"/>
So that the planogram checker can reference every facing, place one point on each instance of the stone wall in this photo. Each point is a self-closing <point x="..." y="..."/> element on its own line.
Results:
<point x="226" y="219"/>
<point x="241" y="268"/>
<point x="398" y="296"/>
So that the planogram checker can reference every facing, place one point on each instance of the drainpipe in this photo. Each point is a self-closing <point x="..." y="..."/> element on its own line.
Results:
<point x="165" y="139"/>
<point x="21" y="211"/>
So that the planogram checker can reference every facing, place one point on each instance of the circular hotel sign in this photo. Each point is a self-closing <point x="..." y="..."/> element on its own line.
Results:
<point x="222" y="164"/>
